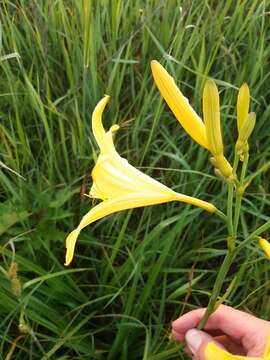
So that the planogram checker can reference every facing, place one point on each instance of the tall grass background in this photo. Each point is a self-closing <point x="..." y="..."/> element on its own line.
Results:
<point x="136" y="271"/>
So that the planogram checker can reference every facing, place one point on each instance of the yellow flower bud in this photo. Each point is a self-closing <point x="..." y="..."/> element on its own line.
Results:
<point x="218" y="173"/>
<point x="265" y="245"/>
<point x="224" y="166"/>
<point x="212" y="117"/>
<point x="213" y="130"/>
<point x="243" y="101"/>
<point x="244" y="134"/>
<point x="213" y="161"/>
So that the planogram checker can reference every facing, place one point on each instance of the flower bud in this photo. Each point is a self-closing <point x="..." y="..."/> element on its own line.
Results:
<point x="224" y="166"/>
<point x="243" y="101"/>
<point x="213" y="130"/>
<point x="265" y="245"/>
<point x="244" y="134"/>
<point x="211" y="115"/>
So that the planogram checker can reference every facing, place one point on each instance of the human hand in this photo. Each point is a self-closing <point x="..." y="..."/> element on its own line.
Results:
<point x="227" y="329"/>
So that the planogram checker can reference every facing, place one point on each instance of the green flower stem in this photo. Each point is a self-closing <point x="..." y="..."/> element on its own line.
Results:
<point x="230" y="253"/>
<point x="230" y="199"/>
<point x="240" y="193"/>
<point x="217" y="287"/>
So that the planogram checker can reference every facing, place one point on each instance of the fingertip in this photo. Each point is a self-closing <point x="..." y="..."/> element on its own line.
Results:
<point x="188" y="321"/>
<point x="177" y="336"/>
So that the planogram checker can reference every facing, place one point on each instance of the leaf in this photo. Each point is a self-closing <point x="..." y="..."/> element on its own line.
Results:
<point x="183" y="289"/>
<point x="9" y="216"/>
<point x="63" y="196"/>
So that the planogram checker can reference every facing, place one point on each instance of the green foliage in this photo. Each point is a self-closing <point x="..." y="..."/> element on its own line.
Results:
<point x="133" y="272"/>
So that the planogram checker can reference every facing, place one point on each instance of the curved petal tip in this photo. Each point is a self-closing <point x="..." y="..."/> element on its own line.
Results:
<point x="70" y="245"/>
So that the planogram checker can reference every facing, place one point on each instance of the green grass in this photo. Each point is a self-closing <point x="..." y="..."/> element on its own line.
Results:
<point x="131" y="274"/>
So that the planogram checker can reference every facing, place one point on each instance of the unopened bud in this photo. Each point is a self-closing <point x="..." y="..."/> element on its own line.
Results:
<point x="24" y="328"/>
<point x="218" y="173"/>
<point x="211" y="116"/>
<point x="243" y="101"/>
<point x="247" y="127"/>
<point x="213" y="161"/>
<point x="224" y="166"/>
<point x="265" y="245"/>
<point x="244" y="134"/>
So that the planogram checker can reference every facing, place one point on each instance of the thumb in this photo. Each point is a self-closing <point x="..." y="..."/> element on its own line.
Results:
<point x="196" y="341"/>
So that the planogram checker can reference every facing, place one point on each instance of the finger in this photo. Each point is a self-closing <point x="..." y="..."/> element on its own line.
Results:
<point x="176" y="336"/>
<point x="233" y="347"/>
<point x="231" y="322"/>
<point x="197" y="341"/>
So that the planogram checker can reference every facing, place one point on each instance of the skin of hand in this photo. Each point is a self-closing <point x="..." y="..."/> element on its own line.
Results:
<point x="235" y="331"/>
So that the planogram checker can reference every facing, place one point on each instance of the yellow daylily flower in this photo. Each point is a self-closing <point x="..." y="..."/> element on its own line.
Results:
<point x="179" y="104"/>
<point x="242" y="106"/>
<point x="214" y="352"/>
<point x="211" y="117"/>
<point x="265" y="246"/>
<point x="120" y="185"/>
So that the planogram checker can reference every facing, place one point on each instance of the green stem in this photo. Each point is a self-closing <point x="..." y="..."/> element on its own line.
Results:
<point x="217" y="287"/>
<point x="230" y="253"/>
<point x="230" y="199"/>
<point x="229" y="209"/>
<point x="239" y="194"/>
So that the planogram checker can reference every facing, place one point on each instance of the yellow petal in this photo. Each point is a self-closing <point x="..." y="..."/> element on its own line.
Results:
<point x="195" y="201"/>
<point x="265" y="245"/>
<point x="108" y="207"/>
<point x="243" y="101"/>
<point x="103" y="138"/>
<point x="128" y="201"/>
<point x="213" y="352"/>
<point x="211" y="117"/>
<point x="179" y="104"/>
<point x="70" y="245"/>
<point x="114" y="176"/>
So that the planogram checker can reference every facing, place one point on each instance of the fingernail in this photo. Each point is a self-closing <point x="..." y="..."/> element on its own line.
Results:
<point x="194" y="340"/>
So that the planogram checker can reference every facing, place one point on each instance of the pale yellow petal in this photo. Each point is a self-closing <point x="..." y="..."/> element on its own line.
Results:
<point x="70" y="245"/>
<point x="103" y="138"/>
<point x="114" y="176"/>
<point x="179" y="104"/>
<point x="211" y="117"/>
<point x="214" y="352"/>
<point x="108" y="207"/>
<point x="196" y="202"/>
<point x="128" y="201"/>
<point x="243" y="101"/>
